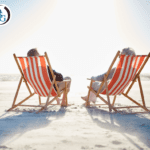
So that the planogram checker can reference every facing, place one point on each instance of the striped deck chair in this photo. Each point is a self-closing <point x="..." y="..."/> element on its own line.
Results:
<point x="34" y="73"/>
<point x="126" y="73"/>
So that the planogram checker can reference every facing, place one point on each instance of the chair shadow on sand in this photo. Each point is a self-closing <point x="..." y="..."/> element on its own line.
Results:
<point x="14" y="126"/>
<point x="133" y="124"/>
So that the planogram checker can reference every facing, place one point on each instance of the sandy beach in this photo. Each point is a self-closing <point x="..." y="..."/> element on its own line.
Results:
<point x="74" y="127"/>
<point x="81" y="38"/>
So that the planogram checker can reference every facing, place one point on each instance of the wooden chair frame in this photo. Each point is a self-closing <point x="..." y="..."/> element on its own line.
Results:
<point x="104" y="82"/>
<point x="48" y="102"/>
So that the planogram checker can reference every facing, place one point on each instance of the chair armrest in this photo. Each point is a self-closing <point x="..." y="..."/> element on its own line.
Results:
<point x="63" y="81"/>
<point x="90" y="79"/>
<point x="66" y="81"/>
<point x="94" y="80"/>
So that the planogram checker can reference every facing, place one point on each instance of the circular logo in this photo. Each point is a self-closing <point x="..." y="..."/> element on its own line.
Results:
<point x="4" y="14"/>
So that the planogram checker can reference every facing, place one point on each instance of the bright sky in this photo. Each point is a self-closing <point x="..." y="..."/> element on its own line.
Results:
<point x="81" y="37"/>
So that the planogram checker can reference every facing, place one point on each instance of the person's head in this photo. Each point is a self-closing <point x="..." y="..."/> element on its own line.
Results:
<point x="33" y="52"/>
<point x="128" y="51"/>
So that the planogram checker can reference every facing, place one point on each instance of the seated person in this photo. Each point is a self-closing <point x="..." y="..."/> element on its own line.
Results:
<point x="59" y="76"/>
<point x="96" y="85"/>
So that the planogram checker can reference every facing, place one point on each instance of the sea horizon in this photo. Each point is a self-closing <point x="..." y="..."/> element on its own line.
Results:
<point x="16" y="77"/>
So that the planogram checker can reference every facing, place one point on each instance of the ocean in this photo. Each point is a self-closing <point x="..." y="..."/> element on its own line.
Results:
<point x="16" y="77"/>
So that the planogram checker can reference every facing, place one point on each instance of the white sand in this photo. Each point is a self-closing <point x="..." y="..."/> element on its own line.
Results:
<point x="75" y="127"/>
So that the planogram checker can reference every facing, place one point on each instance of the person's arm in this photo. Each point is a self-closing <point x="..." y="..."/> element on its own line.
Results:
<point x="101" y="77"/>
<point x="98" y="78"/>
<point x="59" y="76"/>
<point x="111" y="74"/>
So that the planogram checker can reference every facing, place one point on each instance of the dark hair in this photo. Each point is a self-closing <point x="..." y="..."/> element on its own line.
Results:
<point x="33" y="52"/>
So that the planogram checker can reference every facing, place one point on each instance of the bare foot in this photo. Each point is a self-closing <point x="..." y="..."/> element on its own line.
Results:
<point x="84" y="98"/>
<point x="63" y="102"/>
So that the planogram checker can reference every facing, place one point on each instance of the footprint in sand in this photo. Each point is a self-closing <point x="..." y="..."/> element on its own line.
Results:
<point x="116" y="142"/>
<point x="99" y="146"/>
<point x="27" y="147"/>
<point x="85" y="147"/>
<point x="65" y="141"/>
<point x="108" y="136"/>
<point x="4" y="147"/>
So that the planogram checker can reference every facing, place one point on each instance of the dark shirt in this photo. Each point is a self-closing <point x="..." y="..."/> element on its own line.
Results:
<point x="59" y="76"/>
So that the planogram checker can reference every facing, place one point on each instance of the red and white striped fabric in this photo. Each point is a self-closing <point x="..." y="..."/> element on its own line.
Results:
<point x="35" y="72"/>
<point x="125" y="72"/>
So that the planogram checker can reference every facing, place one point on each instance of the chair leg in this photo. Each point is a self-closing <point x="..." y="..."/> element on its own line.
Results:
<point x="135" y="102"/>
<point x="106" y="102"/>
<point x="65" y="103"/>
<point x="141" y="91"/>
<point x="19" y="85"/>
<point x="48" y="97"/>
<point x="114" y="100"/>
<point x="107" y="93"/>
<point x="66" y="94"/>
<point x="16" y="94"/>
<point x="48" y="103"/>
<point x="129" y="88"/>
<point x="15" y="105"/>
<point x="21" y="102"/>
<point x="45" y="107"/>
<point x="39" y="100"/>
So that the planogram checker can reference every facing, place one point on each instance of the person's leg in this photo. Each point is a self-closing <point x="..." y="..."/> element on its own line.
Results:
<point x="92" y="97"/>
<point x="61" y="86"/>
